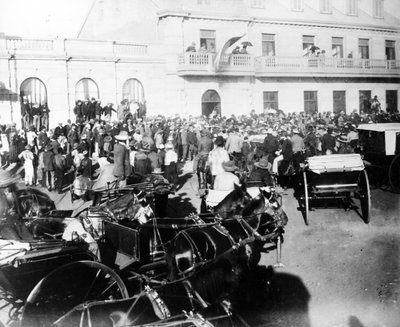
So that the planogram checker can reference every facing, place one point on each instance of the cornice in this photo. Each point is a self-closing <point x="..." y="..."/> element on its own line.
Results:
<point x="274" y="21"/>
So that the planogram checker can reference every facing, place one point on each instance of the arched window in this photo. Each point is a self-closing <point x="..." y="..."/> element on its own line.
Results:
<point x="210" y="101"/>
<point x="34" y="90"/>
<point x="86" y="89"/>
<point x="133" y="91"/>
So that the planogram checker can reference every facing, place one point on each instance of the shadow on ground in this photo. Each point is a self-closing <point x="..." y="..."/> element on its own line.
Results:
<point x="282" y="302"/>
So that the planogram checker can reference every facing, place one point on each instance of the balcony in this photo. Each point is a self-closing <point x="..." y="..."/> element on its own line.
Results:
<point x="329" y="67"/>
<point x="197" y="64"/>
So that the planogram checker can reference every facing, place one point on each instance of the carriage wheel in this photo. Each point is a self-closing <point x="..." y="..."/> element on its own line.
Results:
<point x="364" y="195"/>
<point x="306" y="207"/>
<point x="394" y="174"/>
<point x="68" y="286"/>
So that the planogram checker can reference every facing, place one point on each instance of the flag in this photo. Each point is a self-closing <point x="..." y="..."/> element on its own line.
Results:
<point x="227" y="44"/>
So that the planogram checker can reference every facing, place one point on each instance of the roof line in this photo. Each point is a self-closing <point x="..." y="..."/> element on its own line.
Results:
<point x="162" y="14"/>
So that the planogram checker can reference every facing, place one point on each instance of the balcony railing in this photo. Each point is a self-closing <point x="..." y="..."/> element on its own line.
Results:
<point x="198" y="62"/>
<point x="290" y="65"/>
<point x="30" y="44"/>
<point x="76" y="48"/>
<point x="205" y="63"/>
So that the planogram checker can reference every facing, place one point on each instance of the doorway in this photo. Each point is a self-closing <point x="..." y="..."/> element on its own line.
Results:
<point x="210" y="102"/>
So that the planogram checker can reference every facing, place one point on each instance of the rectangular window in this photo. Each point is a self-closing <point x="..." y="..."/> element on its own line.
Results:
<point x="268" y="45"/>
<point x="363" y="48"/>
<point x="391" y="101"/>
<point x="390" y="51"/>
<point x="310" y="102"/>
<point x="378" y="8"/>
<point x="352" y="7"/>
<point x="326" y="6"/>
<point x="308" y="45"/>
<point x="339" y="101"/>
<point x="365" y="101"/>
<point x="260" y="4"/>
<point x="270" y="101"/>
<point x="297" y="5"/>
<point x="207" y="38"/>
<point x="337" y="47"/>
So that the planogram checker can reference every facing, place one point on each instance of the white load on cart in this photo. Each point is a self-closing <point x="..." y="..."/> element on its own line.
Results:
<point x="332" y="177"/>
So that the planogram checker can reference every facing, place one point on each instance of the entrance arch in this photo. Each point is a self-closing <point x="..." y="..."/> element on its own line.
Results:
<point x="85" y="89"/>
<point x="34" y="109"/>
<point x="210" y="101"/>
<point x="133" y="91"/>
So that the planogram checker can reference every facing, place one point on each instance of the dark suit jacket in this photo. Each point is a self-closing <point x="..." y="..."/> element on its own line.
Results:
<point x="122" y="167"/>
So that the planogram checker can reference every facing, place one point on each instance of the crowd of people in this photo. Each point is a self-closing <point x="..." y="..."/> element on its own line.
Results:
<point x="156" y="145"/>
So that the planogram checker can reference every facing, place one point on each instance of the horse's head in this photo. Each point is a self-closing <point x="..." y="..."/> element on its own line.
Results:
<point x="273" y="207"/>
<point x="234" y="203"/>
<point x="264" y="213"/>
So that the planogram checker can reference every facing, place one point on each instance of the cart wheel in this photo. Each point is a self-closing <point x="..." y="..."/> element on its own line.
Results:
<point x="364" y="195"/>
<point x="306" y="207"/>
<point x="394" y="174"/>
<point x="68" y="286"/>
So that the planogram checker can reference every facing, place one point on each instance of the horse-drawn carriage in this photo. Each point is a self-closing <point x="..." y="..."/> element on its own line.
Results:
<point x="335" y="177"/>
<point x="380" y="147"/>
<point x="143" y="270"/>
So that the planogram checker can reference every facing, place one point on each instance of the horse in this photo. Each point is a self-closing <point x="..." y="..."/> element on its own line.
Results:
<point x="232" y="204"/>
<point x="263" y="214"/>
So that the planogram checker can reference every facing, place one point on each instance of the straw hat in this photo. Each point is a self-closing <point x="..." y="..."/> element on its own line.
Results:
<point x="343" y="139"/>
<point x="108" y="139"/>
<point x="157" y="171"/>
<point x="7" y="179"/>
<point x="169" y="145"/>
<point x="122" y="136"/>
<point x="263" y="164"/>
<point x="161" y="146"/>
<point x="229" y="166"/>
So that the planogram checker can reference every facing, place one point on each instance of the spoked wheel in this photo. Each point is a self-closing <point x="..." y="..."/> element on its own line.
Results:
<point x="306" y="207"/>
<point x="394" y="174"/>
<point x="68" y="286"/>
<point x="364" y="195"/>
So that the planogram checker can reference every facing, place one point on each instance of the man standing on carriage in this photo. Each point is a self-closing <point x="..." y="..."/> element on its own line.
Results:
<point x="234" y="144"/>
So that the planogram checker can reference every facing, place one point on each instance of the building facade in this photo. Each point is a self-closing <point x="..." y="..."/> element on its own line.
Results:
<point x="302" y="55"/>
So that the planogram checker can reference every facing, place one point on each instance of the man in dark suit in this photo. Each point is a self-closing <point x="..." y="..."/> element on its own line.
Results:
<point x="122" y="167"/>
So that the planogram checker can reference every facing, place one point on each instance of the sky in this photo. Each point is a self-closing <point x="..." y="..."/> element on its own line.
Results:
<point x="43" y="18"/>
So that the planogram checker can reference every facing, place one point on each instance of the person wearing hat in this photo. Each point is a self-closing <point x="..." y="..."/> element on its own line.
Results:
<point x="161" y="157"/>
<point x="217" y="157"/>
<point x="311" y="142"/>
<point x="205" y="146"/>
<point x="48" y="167"/>
<point x="328" y="142"/>
<point x="298" y="149"/>
<point x="226" y="180"/>
<point x="344" y="145"/>
<point x="261" y="172"/>
<point x="171" y="168"/>
<point x="28" y="157"/>
<point x="270" y="145"/>
<point x="122" y="167"/>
